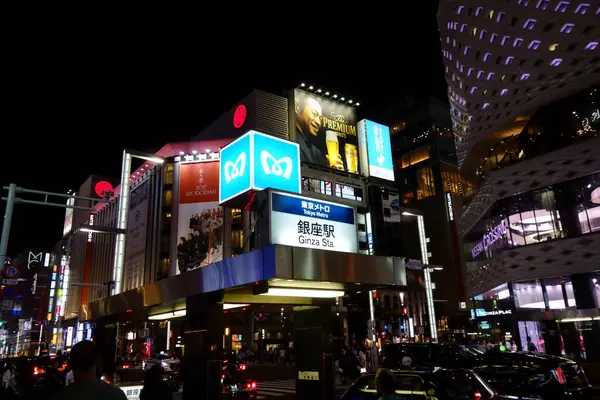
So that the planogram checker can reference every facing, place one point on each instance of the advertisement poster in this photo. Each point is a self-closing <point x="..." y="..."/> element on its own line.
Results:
<point x="326" y="132"/>
<point x="135" y="245"/>
<point x="391" y="207"/>
<point x="305" y="222"/>
<point x="68" y="217"/>
<point x="200" y="222"/>
<point x="375" y="150"/>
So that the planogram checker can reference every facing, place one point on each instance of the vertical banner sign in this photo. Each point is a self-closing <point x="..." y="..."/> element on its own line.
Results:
<point x="68" y="217"/>
<point x="374" y="142"/>
<point x="305" y="222"/>
<point x="135" y="246"/>
<point x="326" y="132"/>
<point x="200" y="222"/>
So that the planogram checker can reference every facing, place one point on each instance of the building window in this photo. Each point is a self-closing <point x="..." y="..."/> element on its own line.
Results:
<point x="486" y="56"/>
<point x="490" y="76"/>
<point x="480" y="74"/>
<point x="485" y="106"/>
<point x="478" y="11"/>
<point x="542" y="4"/>
<point x="500" y="16"/>
<point x="474" y="89"/>
<point x="504" y="40"/>
<point x="567" y="28"/>
<point x="463" y="27"/>
<point x="582" y="8"/>
<point x="508" y="60"/>
<point x="518" y="42"/>
<point x="525" y="76"/>
<point x="556" y="62"/>
<point x="493" y="37"/>
<point x="562" y="6"/>
<point x="459" y="10"/>
<point x="591" y="46"/>
<point x="503" y="92"/>
<point x="529" y="24"/>
<point x="534" y="44"/>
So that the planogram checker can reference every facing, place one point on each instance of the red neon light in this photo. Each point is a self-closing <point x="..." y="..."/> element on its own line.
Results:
<point x="102" y="187"/>
<point x="239" y="116"/>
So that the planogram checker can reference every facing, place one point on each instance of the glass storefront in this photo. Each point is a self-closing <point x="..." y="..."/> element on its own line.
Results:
<point x="567" y="209"/>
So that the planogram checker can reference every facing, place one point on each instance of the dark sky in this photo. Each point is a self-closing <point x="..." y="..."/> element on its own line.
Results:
<point x="77" y="95"/>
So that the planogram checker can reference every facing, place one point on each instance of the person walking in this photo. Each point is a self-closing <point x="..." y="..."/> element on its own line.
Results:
<point x="85" y="361"/>
<point x="155" y="387"/>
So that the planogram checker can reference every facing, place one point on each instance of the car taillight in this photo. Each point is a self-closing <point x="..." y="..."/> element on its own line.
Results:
<point x="477" y="396"/>
<point x="241" y="367"/>
<point x="559" y="375"/>
<point x="38" y="371"/>
<point x="125" y="366"/>
<point x="251" y="385"/>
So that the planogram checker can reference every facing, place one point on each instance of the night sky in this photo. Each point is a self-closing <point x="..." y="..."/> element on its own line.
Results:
<point x="76" y="96"/>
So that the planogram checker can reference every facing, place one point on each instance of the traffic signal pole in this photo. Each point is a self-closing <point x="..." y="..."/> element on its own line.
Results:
<point x="11" y="198"/>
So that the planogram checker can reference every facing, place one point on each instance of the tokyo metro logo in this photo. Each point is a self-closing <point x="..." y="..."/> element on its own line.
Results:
<point x="282" y="167"/>
<point x="235" y="169"/>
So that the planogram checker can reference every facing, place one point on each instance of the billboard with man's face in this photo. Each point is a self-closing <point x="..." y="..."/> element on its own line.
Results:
<point x="326" y="132"/>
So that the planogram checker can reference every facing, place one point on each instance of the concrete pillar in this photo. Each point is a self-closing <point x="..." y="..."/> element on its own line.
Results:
<point x="203" y="337"/>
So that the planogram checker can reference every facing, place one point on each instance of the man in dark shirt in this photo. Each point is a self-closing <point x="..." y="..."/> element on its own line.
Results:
<point x="85" y="359"/>
<point x="309" y="116"/>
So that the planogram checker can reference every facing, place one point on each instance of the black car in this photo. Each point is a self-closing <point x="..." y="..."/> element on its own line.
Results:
<point x="235" y="385"/>
<point x="517" y="374"/>
<point x="439" y="383"/>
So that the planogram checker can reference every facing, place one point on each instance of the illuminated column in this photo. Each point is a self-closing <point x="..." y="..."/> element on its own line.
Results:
<point x="427" y="276"/>
<point x="122" y="223"/>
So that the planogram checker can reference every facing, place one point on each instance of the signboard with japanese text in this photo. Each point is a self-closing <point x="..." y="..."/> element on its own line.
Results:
<point x="317" y="224"/>
<point x="132" y="392"/>
<point x="375" y="150"/>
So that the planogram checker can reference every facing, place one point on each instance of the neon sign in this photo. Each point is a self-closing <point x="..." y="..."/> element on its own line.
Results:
<point x="239" y="116"/>
<point x="490" y="238"/>
<point x="595" y="117"/>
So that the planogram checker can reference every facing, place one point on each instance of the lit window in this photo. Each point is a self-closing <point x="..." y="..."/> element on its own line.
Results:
<point x="591" y="46"/>
<point x="487" y="56"/>
<point x="542" y="4"/>
<point x="470" y="71"/>
<point x="562" y="6"/>
<point x="523" y="2"/>
<point x="553" y="46"/>
<point x="493" y="37"/>
<point x="567" y="28"/>
<point x="485" y="105"/>
<point x="463" y="27"/>
<point x="509" y="60"/>
<point x="473" y="89"/>
<point x="556" y="62"/>
<point x="582" y="8"/>
<point x="491" y="14"/>
<point x="467" y="48"/>
<point x="518" y="42"/>
<point x="534" y="44"/>
<point x="490" y="76"/>
<point x="482" y="34"/>
<point x="474" y="31"/>
<point x="447" y="39"/>
<point x="504" y="40"/>
<point x="462" y="69"/>
<point x="478" y="11"/>
<point x="479" y="74"/>
<point x="500" y="16"/>
<point x="529" y="24"/>
<point x="503" y="92"/>
<point x="460" y="8"/>
<point x="525" y="76"/>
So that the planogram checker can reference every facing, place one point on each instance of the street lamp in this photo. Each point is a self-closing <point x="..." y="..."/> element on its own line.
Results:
<point x="123" y="210"/>
<point x="426" y="273"/>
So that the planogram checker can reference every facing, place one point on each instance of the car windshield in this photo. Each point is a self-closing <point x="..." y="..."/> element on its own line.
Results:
<point x="405" y="385"/>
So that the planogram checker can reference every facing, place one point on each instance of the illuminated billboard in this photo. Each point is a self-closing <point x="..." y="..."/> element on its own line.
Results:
<point x="68" y="225"/>
<point x="326" y="132"/>
<point x="306" y="222"/>
<point x="200" y="220"/>
<point x="257" y="161"/>
<point x="135" y="246"/>
<point x="375" y="150"/>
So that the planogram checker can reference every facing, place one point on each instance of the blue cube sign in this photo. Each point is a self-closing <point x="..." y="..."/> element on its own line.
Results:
<point x="258" y="161"/>
<point x="375" y="149"/>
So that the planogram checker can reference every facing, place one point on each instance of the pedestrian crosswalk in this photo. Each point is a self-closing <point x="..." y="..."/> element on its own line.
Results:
<point x="284" y="387"/>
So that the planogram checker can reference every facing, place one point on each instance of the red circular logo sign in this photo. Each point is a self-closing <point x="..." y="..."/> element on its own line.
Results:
<point x="102" y="187"/>
<point x="239" y="116"/>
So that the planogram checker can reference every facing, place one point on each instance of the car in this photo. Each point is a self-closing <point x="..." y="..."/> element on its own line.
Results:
<point x="436" y="383"/>
<point x="168" y="363"/>
<point x="517" y="374"/>
<point x="235" y="385"/>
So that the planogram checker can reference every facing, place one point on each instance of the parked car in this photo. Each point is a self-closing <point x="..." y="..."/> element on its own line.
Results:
<point x="437" y="383"/>
<point x="168" y="363"/>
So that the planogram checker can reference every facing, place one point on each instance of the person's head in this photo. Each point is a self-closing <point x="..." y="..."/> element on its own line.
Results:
<point x="182" y="240"/>
<point x="308" y="115"/>
<point x="85" y="359"/>
<point x="154" y="375"/>
<point x="385" y="382"/>
<point x="529" y="338"/>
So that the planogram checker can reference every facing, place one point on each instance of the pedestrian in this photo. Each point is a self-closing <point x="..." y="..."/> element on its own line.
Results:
<point x="385" y="383"/>
<point x="85" y="361"/>
<point x="155" y="387"/>
<point x="530" y="346"/>
<point x="8" y="377"/>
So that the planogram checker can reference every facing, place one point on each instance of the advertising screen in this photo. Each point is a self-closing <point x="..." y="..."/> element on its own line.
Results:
<point x="375" y="150"/>
<point x="305" y="222"/>
<point x="68" y="217"/>
<point x="135" y="245"/>
<point x="200" y="221"/>
<point x="326" y="132"/>
<point x="258" y="161"/>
